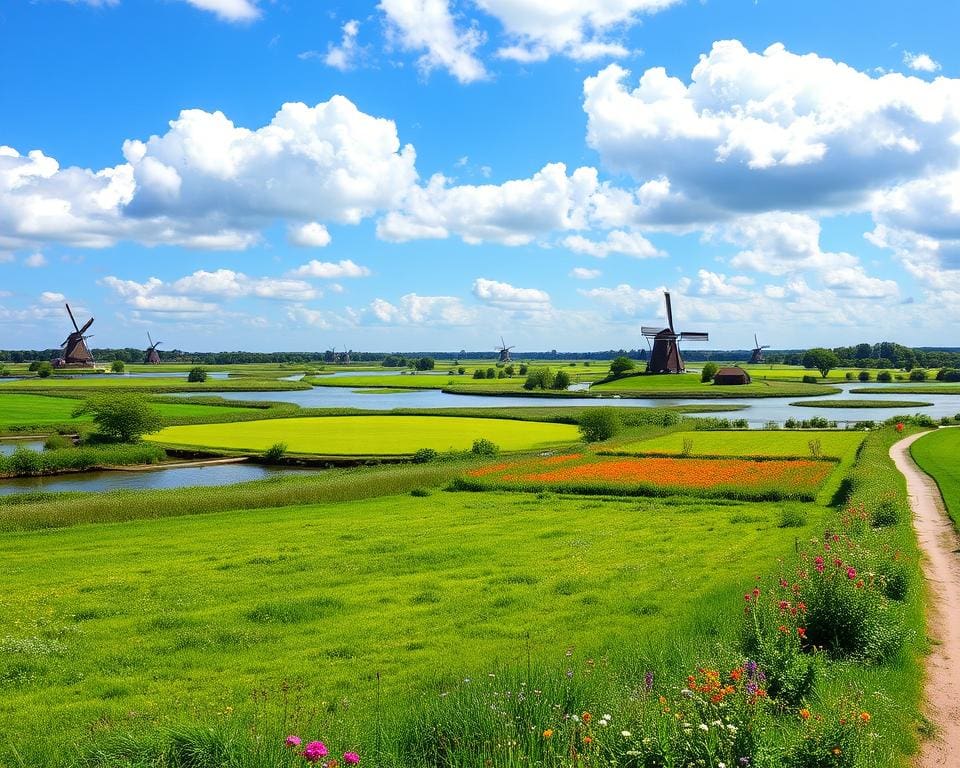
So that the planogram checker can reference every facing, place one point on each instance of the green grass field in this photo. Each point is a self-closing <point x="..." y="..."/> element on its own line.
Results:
<point x="689" y="385"/>
<point x="17" y="410"/>
<point x="122" y="627"/>
<point x="913" y="388"/>
<point x="417" y="381"/>
<point x="369" y="435"/>
<point x="841" y="445"/>
<point x="938" y="454"/>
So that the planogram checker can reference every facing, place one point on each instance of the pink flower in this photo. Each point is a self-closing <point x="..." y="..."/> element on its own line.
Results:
<point x="292" y="741"/>
<point x="818" y="563"/>
<point x="314" y="751"/>
<point x="351" y="758"/>
<point x="851" y="573"/>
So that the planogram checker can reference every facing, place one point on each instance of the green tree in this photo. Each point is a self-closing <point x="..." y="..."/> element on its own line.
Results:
<point x="621" y="365"/>
<point x="561" y="380"/>
<point x="598" y="424"/>
<point x="884" y="376"/>
<point x="822" y="359"/>
<point x="197" y="375"/>
<point x="118" y="366"/>
<point x="538" y="378"/>
<point x="425" y="364"/>
<point x="123" y="417"/>
<point x="708" y="371"/>
<point x="491" y="373"/>
<point x="44" y="370"/>
<point x="523" y="369"/>
<point x="918" y="374"/>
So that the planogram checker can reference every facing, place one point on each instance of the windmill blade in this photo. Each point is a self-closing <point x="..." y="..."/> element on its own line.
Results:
<point x="694" y="336"/>
<point x="666" y="295"/>
<point x="502" y="342"/>
<point x="72" y="320"/>
<point x="756" y="343"/>
<point x="86" y="325"/>
<point x="651" y="331"/>
<point x="150" y="339"/>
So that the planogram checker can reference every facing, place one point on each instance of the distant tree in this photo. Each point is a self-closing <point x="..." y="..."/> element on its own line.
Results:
<point x="118" y="366"/>
<point x="123" y="417"/>
<point x="885" y="376"/>
<point x="621" y="365"/>
<point x="523" y="369"/>
<point x="918" y="374"/>
<point x="561" y="380"/>
<point x="479" y="374"/>
<point x="484" y="447"/>
<point x="501" y="374"/>
<point x="197" y="375"/>
<point x="708" y="371"/>
<point x="461" y="370"/>
<point x="538" y="378"/>
<point x="44" y="369"/>
<point x="824" y="360"/>
<point x="510" y="370"/>
<point x="864" y="375"/>
<point x="598" y="424"/>
<point x="491" y="373"/>
<point x="425" y="364"/>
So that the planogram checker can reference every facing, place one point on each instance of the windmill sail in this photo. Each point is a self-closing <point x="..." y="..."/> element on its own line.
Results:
<point x="75" y="350"/>
<point x="665" y="356"/>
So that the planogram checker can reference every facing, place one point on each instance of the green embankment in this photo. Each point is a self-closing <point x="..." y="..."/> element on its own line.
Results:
<point x="861" y="404"/>
<point x="938" y="454"/>
<point x="369" y="435"/>
<point x="689" y="385"/>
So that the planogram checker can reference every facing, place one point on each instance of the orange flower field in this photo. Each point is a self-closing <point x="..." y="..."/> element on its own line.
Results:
<point x="733" y="478"/>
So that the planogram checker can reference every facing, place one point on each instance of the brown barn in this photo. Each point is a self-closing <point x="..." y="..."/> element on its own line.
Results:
<point x="731" y="376"/>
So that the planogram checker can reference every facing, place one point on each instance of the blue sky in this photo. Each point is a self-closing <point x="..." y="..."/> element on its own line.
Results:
<point x="450" y="171"/>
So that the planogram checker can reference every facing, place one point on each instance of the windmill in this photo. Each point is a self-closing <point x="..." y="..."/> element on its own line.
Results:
<point x="504" y="351"/>
<point x="757" y="356"/>
<point x="152" y="356"/>
<point x="345" y="357"/>
<point x="665" y="356"/>
<point x="75" y="351"/>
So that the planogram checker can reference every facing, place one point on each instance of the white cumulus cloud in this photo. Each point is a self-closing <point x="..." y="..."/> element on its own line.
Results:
<point x="920" y="62"/>
<point x="329" y="270"/>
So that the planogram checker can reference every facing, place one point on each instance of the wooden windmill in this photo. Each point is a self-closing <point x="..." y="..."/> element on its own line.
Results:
<point x="504" y="351"/>
<point x="345" y="357"/>
<point x="757" y="355"/>
<point x="75" y="350"/>
<point x="665" y="356"/>
<point x="152" y="356"/>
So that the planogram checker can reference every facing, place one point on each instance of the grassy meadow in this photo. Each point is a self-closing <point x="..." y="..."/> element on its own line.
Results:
<point x="369" y="435"/>
<point x="938" y="454"/>
<point x="689" y="385"/>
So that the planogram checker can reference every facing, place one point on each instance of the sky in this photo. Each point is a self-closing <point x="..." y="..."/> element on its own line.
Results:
<point x="433" y="174"/>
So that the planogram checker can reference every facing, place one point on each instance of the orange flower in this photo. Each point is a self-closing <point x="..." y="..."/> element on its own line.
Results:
<point x="805" y="714"/>
<point x="865" y="717"/>
<point x="548" y="733"/>
<point x="586" y="717"/>
<point x="587" y="740"/>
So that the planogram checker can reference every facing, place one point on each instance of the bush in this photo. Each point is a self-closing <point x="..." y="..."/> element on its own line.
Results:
<point x="864" y="376"/>
<point x="420" y="493"/>
<point x="621" y="365"/>
<point x="949" y="374"/>
<point x="197" y="375"/>
<point x="123" y="417"/>
<point x="461" y="370"/>
<point x="918" y="374"/>
<point x="885" y="376"/>
<point x="501" y="374"/>
<point x="597" y="424"/>
<point x="708" y="372"/>
<point x="886" y="512"/>
<point x="424" y="456"/>
<point x="538" y="378"/>
<point x="479" y="374"/>
<point x="44" y="370"/>
<point x="118" y="366"/>
<point x="484" y="447"/>
<point x="56" y="443"/>
<point x="561" y="380"/>
<point x="424" y="364"/>
<point x="491" y="373"/>
<point x="848" y="376"/>
<point x="275" y="452"/>
<point x="523" y="369"/>
<point x="811" y="380"/>
<point x="509" y="370"/>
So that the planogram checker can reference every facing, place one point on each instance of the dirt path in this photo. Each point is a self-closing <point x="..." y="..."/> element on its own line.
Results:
<point x="941" y="547"/>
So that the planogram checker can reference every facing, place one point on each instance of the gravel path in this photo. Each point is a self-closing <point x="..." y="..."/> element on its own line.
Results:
<point x="941" y="547"/>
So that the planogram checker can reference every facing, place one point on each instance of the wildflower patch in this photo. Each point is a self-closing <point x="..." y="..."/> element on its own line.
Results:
<point x="734" y="478"/>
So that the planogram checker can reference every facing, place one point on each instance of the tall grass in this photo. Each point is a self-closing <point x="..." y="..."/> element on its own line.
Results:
<point x="24" y="462"/>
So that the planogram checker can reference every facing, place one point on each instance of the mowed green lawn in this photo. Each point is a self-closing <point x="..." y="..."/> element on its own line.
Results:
<point x="417" y="381"/>
<point x="689" y="385"/>
<point x="26" y="410"/>
<point x="369" y="435"/>
<point x="938" y="454"/>
<point x="842" y="445"/>
<point x="124" y="625"/>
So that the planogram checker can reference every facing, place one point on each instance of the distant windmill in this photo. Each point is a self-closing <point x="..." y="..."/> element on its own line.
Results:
<point x="665" y="356"/>
<point x="75" y="350"/>
<point x="152" y="356"/>
<point x="504" y="351"/>
<point x="345" y="358"/>
<point x="757" y="356"/>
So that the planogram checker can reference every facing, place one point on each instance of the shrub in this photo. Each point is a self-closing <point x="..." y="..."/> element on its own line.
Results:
<point x="424" y="364"/>
<point x="123" y="417"/>
<point x="864" y="376"/>
<point x="829" y="742"/>
<point x="621" y="365"/>
<point x="523" y="369"/>
<point x="848" y="376"/>
<point x="740" y="424"/>
<point x="461" y="370"/>
<point x="197" y="375"/>
<point x="34" y="366"/>
<point x="561" y="380"/>
<point x="491" y="373"/>
<point x="793" y="517"/>
<point x="501" y="374"/>
<point x="479" y="374"/>
<point x="918" y="374"/>
<point x="24" y="462"/>
<point x="424" y="456"/>
<point x="275" y="452"/>
<point x="118" y="366"/>
<point x="949" y="374"/>
<point x="538" y="378"/>
<point x="708" y="372"/>
<point x="484" y="447"/>
<point x="811" y="380"/>
<point x="885" y="376"/>
<point x="791" y="423"/>
<point x="420" y="492"/>
<point x="773" y="638"/>
<point x="44" y="370"/>
<point x="56" y="443"/>
<point x="598" y="424"/>
<point x="510" y="370"/>
<point x="886" y="512"/>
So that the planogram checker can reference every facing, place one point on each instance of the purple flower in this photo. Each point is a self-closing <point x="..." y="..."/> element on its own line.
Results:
<point x="648" y="681"/>
<point x="750" y="668"/>
<point x="751" y="688"/>
<point x="744" y="761"/>
<point x="314" y="751"/>
<point x="292" y="742"/>
<point x="351" y="758"/>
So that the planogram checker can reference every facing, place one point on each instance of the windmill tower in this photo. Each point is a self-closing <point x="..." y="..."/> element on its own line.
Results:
<point x="75" y="350"/>
<point x="152" y="357"/>
<point x="345" y="357"/>
<point x="757" y="355"/>
<point x="665" y="356"/>
<point x="504" y="351"/>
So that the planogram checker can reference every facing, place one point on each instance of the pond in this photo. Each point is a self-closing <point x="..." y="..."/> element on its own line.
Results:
<point x="174" y="477"/>
<point x="9" y="446"/>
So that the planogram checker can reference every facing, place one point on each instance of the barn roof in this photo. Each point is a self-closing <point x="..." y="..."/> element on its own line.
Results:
<point x="734" y="371"/>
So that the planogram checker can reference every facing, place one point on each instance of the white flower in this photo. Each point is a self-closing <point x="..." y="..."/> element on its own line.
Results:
<point x="686" y="692"/>
<point x="575" y="718"/>
<point x="721" y="765"/>
<point x="703" y="727"/>
<point x="625" y="734"/>
<point x="606" y="717"/>
<point x="732" y="728"/>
